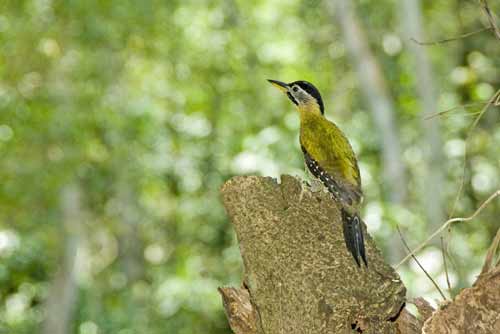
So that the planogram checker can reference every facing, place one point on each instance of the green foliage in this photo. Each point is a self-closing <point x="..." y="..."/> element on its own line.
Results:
<point x="149" y="106"/>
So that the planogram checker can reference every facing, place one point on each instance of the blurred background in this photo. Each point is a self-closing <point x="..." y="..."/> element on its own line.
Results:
<point x="120" y="121"/>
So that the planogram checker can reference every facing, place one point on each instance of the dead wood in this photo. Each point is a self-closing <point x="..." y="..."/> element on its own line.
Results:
<point x="298" y="272"/>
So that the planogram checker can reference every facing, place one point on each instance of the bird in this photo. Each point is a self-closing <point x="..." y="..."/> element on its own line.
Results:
<point x="329" y="157"/>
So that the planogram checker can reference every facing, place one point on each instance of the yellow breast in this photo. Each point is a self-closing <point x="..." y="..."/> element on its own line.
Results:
<point x="328" y="145"/>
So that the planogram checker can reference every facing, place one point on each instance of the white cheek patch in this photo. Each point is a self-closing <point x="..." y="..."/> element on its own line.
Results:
<point x="301" y="96"/>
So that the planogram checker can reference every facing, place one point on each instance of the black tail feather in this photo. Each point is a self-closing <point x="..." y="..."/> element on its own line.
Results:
<point x="353" y="236"/>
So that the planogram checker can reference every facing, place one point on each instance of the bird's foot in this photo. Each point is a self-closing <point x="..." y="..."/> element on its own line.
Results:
<point x="316" y="186"/>
<point x="303" y="188"/>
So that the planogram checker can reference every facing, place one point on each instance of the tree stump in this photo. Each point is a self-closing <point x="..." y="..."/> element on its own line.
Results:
<point x="299" y="277"/>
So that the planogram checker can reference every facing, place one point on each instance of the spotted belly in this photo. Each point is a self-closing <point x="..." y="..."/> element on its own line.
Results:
<point x="338" y="190"/>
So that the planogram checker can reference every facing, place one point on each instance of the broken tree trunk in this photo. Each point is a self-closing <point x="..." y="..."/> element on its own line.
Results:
<point x="299" y="276"/>
<point x="475" y="309"/>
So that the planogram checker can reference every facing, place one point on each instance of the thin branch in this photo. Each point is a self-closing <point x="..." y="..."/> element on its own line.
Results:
<point x="491" y="18"/>
<point x="448" y="223"/>
<point x="443" y="253"/>
<point x="419" y="264"/>
<point x="495" y="101"/>
<point x="468" y="105"/>
<point x="492" y="101"/>
<point x="490" y="262"/>
<point x="451" y="39"/>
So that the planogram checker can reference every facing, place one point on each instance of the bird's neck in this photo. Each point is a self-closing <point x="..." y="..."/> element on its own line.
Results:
<point x="311" y="127"/>
<point x="310" y="107"/>
<point x="309" y="114"/>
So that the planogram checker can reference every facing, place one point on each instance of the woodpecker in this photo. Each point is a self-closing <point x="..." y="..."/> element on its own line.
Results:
<point x="330" y="159"/>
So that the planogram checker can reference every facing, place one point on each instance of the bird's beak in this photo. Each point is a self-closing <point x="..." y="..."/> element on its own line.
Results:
<point x="280" y="85"/>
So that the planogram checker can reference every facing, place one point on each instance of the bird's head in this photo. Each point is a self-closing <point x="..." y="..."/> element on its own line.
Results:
<point x="303" y="94"/>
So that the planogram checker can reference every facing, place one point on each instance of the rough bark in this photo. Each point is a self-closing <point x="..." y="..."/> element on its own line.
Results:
<point x="299" y="277"/>
<point x="408" y="324"/>
<point x="298" y="273"/>
<point x="433" y="179"/>
<point x="476" y="309"/>
<point x="240" y="312"/>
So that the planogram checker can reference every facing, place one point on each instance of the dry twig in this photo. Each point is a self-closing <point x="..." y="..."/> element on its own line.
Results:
<point x="419" y="264"/>
<point x="446" y="224"/>
<point x="491" y="18"/>
<point x="451" y="39"/>
<point x="489" y="262"/>
<point x="443" y="253"/>
<point x="465" y="106"/>
<point x="492" y="101"/>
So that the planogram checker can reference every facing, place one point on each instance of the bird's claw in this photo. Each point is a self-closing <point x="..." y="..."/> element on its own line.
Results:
<point x="316" y="186"/>
<point x="303" y="186"/>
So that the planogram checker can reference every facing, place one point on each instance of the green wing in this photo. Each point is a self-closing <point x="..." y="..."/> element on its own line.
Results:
<point x="330" y="158"/>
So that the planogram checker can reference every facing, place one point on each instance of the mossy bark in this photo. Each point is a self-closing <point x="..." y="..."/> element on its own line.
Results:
<point x="298" y="272"/>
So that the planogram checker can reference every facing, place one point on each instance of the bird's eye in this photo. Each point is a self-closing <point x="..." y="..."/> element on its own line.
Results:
<point x="295" y="89"/>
